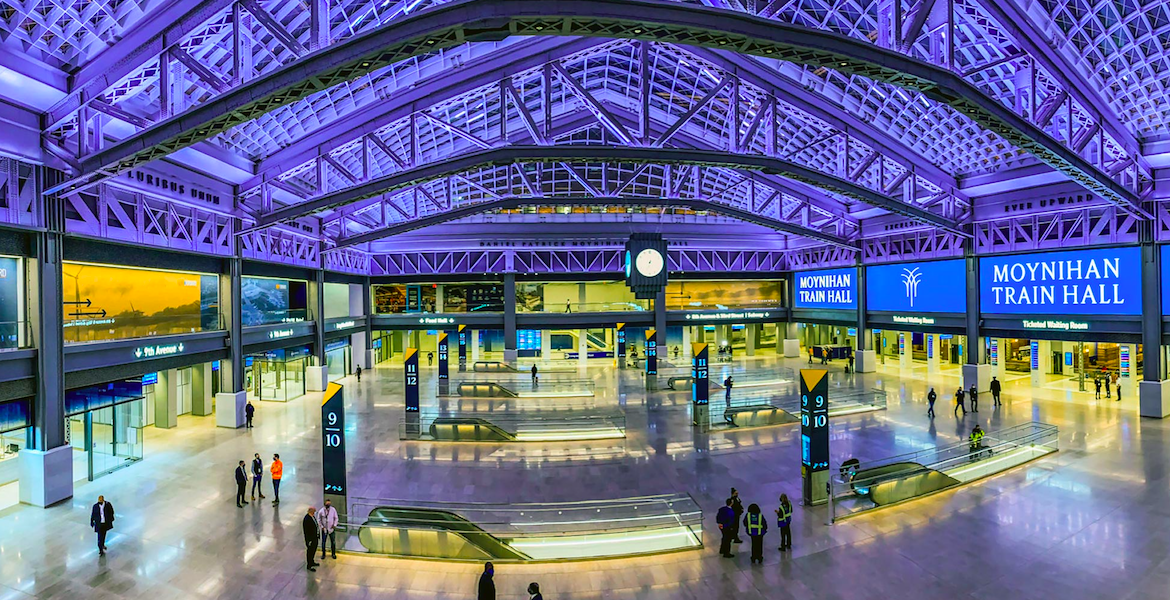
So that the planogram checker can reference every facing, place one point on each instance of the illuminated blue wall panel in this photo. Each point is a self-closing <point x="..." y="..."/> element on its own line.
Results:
<point x="828" y="288"/>
<point x="934" y="287"/>
<point x="1080" y="282"/>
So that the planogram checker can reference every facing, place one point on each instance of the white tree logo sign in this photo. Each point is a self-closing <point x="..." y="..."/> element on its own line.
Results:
<point x="911" y="278"/>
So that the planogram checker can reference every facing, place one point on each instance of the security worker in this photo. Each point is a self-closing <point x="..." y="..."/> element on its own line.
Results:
<point x="974" y="398"/>
<point x="976" y="439"/>
<point x="784" y="520"/>
<point x="756" y="526"/>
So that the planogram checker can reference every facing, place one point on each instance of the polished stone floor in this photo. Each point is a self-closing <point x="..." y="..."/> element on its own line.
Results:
<point x="1092" y="521"/>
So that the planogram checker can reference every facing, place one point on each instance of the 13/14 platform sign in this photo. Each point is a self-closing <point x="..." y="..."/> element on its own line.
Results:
<point x="333" y="441"/>
<point x="814" y="433"/>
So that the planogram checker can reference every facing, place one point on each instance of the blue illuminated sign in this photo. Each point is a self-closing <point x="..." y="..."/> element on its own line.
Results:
<point x="150" y="378"/>
<point x="923" y="287"/>
<point x="830" y="288"/>
<point x="1079" y="282"/>
<point x="1165" y="280"/>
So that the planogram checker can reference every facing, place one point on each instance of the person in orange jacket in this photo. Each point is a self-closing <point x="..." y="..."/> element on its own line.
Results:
<point x="277" y="470"/>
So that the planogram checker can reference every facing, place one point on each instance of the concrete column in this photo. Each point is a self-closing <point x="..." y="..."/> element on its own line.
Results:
<point x="582" y="347"/>
<point x="230" y="402"/>
<point x="46" y="467"/>
<point x="581" y="298"/>
<point x="790" y="345"/>
<point x="509" y="317"/>
<point x="201" y="398"/>
<point x="1043" y="360"/>
<point x="686" y="343"/>
<point x="751" y="336"/>
<point x="933" y="348"/>
<point x="317" y="307"/>
<point x="362" y="343"/>
<point x="723" y="335"/>
<point x="546" y="344"/>
<point x="439" y="298"/>
<point x="474" y="343"/>
<point x="166" y="393"/>
<point x="905" y="353"/>
<point x="975" y="372"/>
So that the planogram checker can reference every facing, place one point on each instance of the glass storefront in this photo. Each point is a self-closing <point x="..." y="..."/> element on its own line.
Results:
<point x="338" y="355"/>
<point x="396" y="298"/>
<point x="15" y="419"/>
<point x="1065" y="358"/>
<point x="13" y="320"/>
<point x="277" y="375"/>
<point x="105" y="426"/>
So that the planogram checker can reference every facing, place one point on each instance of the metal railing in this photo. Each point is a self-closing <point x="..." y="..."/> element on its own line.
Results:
<point x="511" y="426"/>
<point x="523" y="532"/>
<point x="854" y="486"/>
<point x="587" y="307"/>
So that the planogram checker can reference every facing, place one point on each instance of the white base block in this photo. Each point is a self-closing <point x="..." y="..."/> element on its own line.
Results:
<point x="980" y="375"/>
<point x="1154" y="399"/>
<point x="229" y="409"/>
<point x="510" y="357"/>
<point x="864" y="361"/>
<point x="316" y="378"/>
<point x="46" y="477"/>
<point x="791" y="348"/>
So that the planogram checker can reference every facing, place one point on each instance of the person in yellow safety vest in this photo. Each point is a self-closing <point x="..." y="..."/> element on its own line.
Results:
<point x="976" y="439"/>
<point x="784" y="520"/>
<point x="756" y="526"/>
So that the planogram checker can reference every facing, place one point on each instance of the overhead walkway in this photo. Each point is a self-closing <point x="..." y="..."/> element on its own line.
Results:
<point x="526" y="532"/>
<point x="858" y="486"/>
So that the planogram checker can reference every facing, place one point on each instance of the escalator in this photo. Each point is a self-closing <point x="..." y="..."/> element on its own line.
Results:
<point x="431" y="533"/>
<point x="893" y="483"/>
<point x="758" y="415"/>
<point x="493" y="367"/>
<point x="484" y="389"/>
<point x="468" y="429"/>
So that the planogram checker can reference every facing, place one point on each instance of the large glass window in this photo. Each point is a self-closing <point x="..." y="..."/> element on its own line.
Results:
<point x="108" y="303"/>
<point x="265" y="301"/>
<point x="13" y="318"/>
<point x="565" y="296"/>
<point x="336" y="300"/>
<point x="394" y="298"/>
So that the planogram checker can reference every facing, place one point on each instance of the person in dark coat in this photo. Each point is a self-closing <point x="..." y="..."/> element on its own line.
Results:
<point x="959" y="402"/>
<point x="249" y="410"/>
<point x="974" y="398"/>
<point x="756" y="526"/>
<point x="930" y="398"/>
<point x="241" y="484"/>
<point x="534" y="591"/>
<point x="358" y="372"/>
<point x="309" y="524"/>
<point x="996" y="388"/>
<point x="487" y="586"/>
<point x="101" y="518"/>
<point x="737" y="506"/>
<point x="725" y="518"/>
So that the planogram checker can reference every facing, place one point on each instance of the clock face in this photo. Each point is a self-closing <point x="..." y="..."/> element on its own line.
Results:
<point x="649" y="262"/>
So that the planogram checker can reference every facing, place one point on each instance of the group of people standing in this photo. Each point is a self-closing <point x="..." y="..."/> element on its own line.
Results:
<point x="732" y="515"/>
<point x="320" y="526"/>
<point x="276" y="470"/>
<point x="961" y="398"/>
<point x="1111" y="380"/>
<point x="487" y="585"/>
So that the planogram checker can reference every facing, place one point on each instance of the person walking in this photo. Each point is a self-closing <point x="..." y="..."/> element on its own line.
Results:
<point x="277" y="470"/>
<point x="737" y="507"/>
<point x="534" y="591"/>
<point x="1119" y="391"/>
<point x="358" y="372"/>
<point x="249" y="411"/>
<point x="241" y="484"/>
<point x="101" y="519"/>
<point x="850" y="359"/>
<point x="535" y="377"/>
<point x="756" y="526"/>
<point x="996" y="388"/>
<point x="257" y="477"/>
<point x="487" y="586"/>
<point x="430" y="358"/>
<point x="930" y="398"/>
<point x="959" y="402"/>
<point x="309" y="526"/>
<point x="810" y="355"/>
<point x="327" y="522"/>
<point x="784" y="522"/>
<point x="725" y="517"/>
<point x="1097" y="386"/>
<point x="727" y="383"/>
<point x="568" y="306"/>
<point x="1107" y="394"/>
<point x="974" y="398"/>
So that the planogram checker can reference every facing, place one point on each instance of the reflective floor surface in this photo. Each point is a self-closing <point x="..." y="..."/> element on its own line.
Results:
<point x="1092" y="521"/>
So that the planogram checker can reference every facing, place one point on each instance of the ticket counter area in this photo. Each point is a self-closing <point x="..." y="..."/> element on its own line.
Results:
<point x="15" y="421"/>
<point x="836" y="341"/>
<point x="1065" y="363"/>
<point x="105" y="427"/>
<point x="936" y="351"/>
<point x="277" y="375"/>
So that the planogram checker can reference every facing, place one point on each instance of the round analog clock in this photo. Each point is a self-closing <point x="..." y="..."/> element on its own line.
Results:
<point x="649" y="262"/>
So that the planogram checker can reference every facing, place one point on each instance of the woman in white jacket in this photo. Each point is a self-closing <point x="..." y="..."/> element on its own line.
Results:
<point x="327" y="522"/>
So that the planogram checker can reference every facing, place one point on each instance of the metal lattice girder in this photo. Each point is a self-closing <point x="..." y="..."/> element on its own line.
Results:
<point x="110" y="213"/>
<point x="346" y="260"/>
<point x="281" y="246"/>
<point x="456" y="23"/>
<point x="20" y="201"/>
<point x="468" y="262"/>
<point x="815" y="258"/>
<point x="498" y="156"/>
<point x="913" y="245"/>
<point x="1070" y="229"/>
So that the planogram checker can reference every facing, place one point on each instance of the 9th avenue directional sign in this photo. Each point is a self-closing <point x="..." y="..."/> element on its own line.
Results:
<point x="158" y="351"/>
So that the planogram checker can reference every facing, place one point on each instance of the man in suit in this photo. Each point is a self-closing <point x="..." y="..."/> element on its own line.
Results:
<point x="241" y="484"/>
<point x="309" y="524"/>
<point x="101" y="518"/>
<point x="487" y="586"/>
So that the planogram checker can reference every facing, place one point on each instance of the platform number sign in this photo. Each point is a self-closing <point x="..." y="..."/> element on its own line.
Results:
<point x="700" y="392"/>
<point x="651" y="352"/>
<point x="443" y="355"/>
<point x="814" y="420"/>
<point x="621" y="343"/>
<point x="410" y="365"/>
<point x="333" y="440"/>
<point x="462" y="346"/>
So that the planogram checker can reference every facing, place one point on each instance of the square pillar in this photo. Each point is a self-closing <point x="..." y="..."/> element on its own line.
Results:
<point x="980" y="375"/>
<point x="1153" y="399"/>
<point x="316" y="378"/>
<point x="166" y="396"/>
<point x="905" y="353"/>
<point x="546" y="344"/>
<point x="1042" y="359"/>
<point x="46" y="476"/>
<point x="229" y="409"/>
<point x="582" y="346"/>
<point x="751" y="336"/>
<point x="864" y="361"/>
<point x="686" y="342"/>
<point x="202" y="402"/>
<point x="510" y="318"/>
<point x="933" y="348"/>
<point x="474" y="341"/>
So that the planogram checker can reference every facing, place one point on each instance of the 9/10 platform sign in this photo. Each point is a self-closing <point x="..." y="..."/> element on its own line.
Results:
<point x="410" y="365"/>
<point x="814" y="434"/>
<point x="333" y="442"/>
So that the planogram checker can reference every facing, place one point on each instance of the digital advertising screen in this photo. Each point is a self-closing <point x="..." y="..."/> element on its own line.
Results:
<point x="922" y="287"/>
<point x="1104" y="281"/>
<point x="829" y="288"/>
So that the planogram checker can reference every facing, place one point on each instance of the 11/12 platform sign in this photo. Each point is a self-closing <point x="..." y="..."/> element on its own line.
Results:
<point x="410" y="366"/>
<point x="333" y="442"/>
<point x="814" y="434"/>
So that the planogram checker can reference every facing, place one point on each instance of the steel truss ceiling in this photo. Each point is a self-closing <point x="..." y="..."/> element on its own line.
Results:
<point x="897" y="98"/>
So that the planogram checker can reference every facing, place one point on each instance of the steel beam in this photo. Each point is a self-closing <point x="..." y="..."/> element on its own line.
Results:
<point x="456" y="23"/>
<point x="519" y="154"/>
